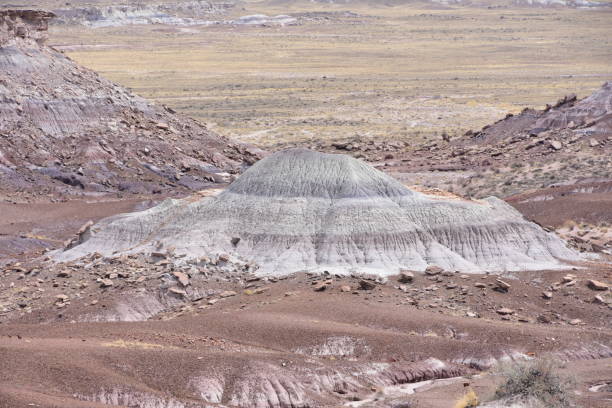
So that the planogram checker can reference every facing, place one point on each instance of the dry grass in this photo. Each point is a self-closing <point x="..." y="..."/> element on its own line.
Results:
<point x="406" y="72"/>
<point x="537" y="381"/>
<point x="470" y="399"/>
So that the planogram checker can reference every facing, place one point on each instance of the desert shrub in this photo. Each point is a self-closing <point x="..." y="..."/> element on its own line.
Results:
<point x="470" y="399"/>
<point x="535" y="380"/>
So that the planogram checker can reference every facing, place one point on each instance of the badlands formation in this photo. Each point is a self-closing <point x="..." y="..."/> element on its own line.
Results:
<point x="278" y="291"/>
<point x="300" y="210"/>
<point x="65" y="129"/>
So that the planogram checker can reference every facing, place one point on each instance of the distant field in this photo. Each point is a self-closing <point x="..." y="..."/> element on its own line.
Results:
<point x="404" y="72"/>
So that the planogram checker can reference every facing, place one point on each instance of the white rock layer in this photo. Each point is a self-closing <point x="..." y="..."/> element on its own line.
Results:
<point x="299" y="210"/>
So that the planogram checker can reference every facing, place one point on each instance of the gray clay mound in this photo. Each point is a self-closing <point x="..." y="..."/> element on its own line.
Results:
<point x="299" y="210"/>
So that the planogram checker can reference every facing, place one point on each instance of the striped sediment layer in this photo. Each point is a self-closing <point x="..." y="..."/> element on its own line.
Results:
<point x="300" y="210"/>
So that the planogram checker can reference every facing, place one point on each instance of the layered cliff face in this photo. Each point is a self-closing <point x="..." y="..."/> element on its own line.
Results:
<point x="300" y="210"/>
<point x="64" y="128"/>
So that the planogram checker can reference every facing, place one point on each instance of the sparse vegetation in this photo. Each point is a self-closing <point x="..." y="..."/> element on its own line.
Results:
<point x="536" y="381"/>
<point x="356" y="75"/>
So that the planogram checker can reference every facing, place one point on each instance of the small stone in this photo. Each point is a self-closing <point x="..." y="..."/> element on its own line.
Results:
<point x="547" y="295"/>
<point x="212" y="301"/>
<point x="543" y="319"/>
<point x="480" y="285"/>
<point x="227" y="293"/>
<point x="433" y="270"/>
<point x="501" y="285"/>
<point x="345" y="288"/>
<point x="182" y="278"/>
<point x="177" y="291"/>
<point x="64" y="274"/>
<point x="366" y="285"/>
<point x="555" y="144"/>
<point x="568" y="278"/>
<point x="61" y="298"/>
<point x="598" y="299"/>
<point x="593" y="142"/>
<point x="106" y="283"/>
<point x="575" y="322"/>
<point x="320" y="287"/>
<point x="505" y="311"/>
<point x="406" y="277"/>
<point x="260" y="290"/>
<point x="597" y="285"/>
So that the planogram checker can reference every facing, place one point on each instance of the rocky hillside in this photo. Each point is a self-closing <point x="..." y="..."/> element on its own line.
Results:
<point x="63" y="128"/>
<point x="566" y="143"/>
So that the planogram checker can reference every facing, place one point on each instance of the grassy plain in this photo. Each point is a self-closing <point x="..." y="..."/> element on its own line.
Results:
<point x="405" y="72"/>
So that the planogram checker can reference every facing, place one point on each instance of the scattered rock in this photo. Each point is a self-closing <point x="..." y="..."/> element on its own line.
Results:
<point x="182" y="278"/>
<point x="61" y="298"/>
<point x="320" y="287"/>
<point x="106" y="283"/>
<point x="406" y="277"/>
<point x="177" y="291"/>
<point x="575" y="322"/>
<point x="547" y="295"/>
<point x="227" y="293"/>
<point x="501" y="286"/>
<point x="256" y="291"/>
<point x="366" y="285"/>
<point x="505" y="311"/>
<point x="568" y="278"/>
<point x="597" y="285"/>
<point x="433" y="270"/>
<point x="345" y="288"/>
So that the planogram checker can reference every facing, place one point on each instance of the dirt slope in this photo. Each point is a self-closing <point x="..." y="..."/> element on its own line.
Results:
<point x="282" y="343"/>
<point x="63" y="128"/>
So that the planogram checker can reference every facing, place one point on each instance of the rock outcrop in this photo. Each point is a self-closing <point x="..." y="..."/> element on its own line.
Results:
<point x="591" y="116"/>
<point x="63" y="127"/>
<point x="301" y="210"/>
